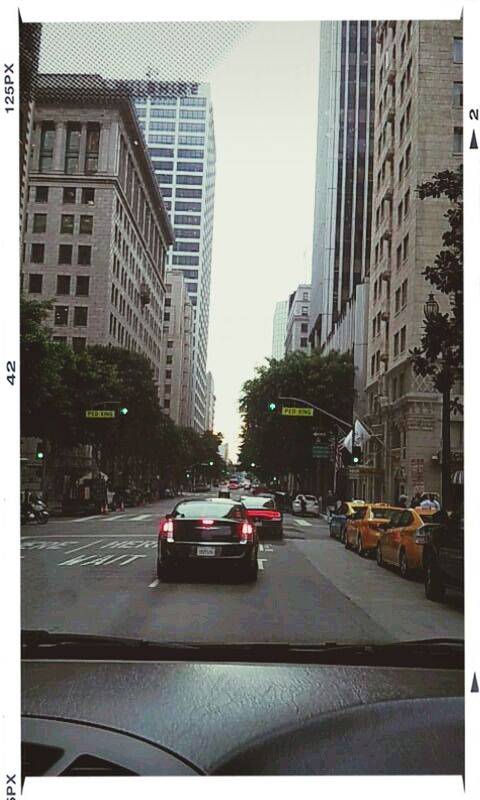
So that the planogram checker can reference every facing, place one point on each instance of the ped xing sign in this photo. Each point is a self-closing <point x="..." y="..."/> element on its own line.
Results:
<point x="96" y="413"/>
<point x="296" y="411"/>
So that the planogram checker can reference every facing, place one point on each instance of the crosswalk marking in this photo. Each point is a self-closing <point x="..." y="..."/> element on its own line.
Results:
<point x="141" y="516"/>
<point x="85" y="519"/>
<point x="113" y="519"/>
<point x="303" y="522"/>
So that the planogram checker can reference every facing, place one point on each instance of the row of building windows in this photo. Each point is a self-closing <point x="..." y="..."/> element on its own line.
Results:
<point x="78" y="343"/>
<point x="195" y="180"/>
<point x="402" y="251"/>
<point x="40" y="194"/>
<point x="185" y="261"/>
<point x="400" y="341"/>
<point x="187" y="233"/>
<point x="77" y="134"/>
<point x="401" y="296"/>
<point x="67" y="224"/>
<point x="186" y="219"/>
<point x="64" y="284"/>
<point x="65" y="254"/>
<point x="403" y="207"/>
<point x="61" y="316"/>
<point x="166" y="152"/>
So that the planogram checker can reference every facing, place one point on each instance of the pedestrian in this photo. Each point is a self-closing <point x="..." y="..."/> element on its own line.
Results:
<point x="330" y="503"/>
<point x="426" y="502"/>
<point x="416" y="500"/>
<point x="435" y="502"/>
<point x="303" y="504"/>
<point x="402" y="501"/>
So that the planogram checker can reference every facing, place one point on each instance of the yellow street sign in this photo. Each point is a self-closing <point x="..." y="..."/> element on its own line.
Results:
<point x="296" y="411"/>
<point x="96" y="413"/>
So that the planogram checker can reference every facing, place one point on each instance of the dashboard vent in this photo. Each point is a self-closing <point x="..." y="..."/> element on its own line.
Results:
<point x="38" y="758"/>
<point x="93" y="766"/>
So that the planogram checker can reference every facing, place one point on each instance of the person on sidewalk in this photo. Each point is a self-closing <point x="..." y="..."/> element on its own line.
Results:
<point x="330" y="504"/>
<point x="303" y="505"/>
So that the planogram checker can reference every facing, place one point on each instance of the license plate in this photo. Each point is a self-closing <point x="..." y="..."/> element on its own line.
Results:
<point x="206" y="551"/>
<point x="259" y="523"/>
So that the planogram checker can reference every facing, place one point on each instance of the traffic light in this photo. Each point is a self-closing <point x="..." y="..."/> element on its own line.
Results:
<point x="357" y="455"/>
<point x="210" y="463"/>
<point x="123" y="410"/>
<point x="40" y="451"/>
<point x="272" y="406"/>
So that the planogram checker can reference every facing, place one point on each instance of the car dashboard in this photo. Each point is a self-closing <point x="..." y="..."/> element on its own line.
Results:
<point x="174" y="717"/>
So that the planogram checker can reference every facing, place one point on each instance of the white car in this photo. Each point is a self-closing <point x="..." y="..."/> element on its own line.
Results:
<point x="311" y="504"/>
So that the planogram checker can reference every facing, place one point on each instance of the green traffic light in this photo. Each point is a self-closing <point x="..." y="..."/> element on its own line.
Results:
<point x="211" y="463"/>
<point x="40" y="455"/>
<point x="123" y="410"/>
<point x="272" y="406"/>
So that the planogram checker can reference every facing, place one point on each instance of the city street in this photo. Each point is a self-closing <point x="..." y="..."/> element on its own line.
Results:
<point x="97" y="575"/>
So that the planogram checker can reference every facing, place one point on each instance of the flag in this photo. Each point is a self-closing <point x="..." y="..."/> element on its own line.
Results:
<point x="361" y="436"/>
<point x="338" y="454"/>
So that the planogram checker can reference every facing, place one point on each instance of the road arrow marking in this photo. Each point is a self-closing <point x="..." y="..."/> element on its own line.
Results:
<point x="473" y="143"/>
<point x="474" y="684"/>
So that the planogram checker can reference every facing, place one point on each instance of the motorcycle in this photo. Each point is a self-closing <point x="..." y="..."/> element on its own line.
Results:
<point x="36" y="511"/>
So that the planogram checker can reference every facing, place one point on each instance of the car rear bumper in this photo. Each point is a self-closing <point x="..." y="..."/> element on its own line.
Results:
<point x="188" y="552"/>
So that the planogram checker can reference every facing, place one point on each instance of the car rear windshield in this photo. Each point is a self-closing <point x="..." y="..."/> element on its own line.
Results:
<point x="258" y="502"/>
<point x="382" y="513"/>
<point x="214" y="510"/>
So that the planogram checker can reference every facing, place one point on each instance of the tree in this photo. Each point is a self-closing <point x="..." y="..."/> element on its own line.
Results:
<point x="277" y="444"/>
<point x="440" y="354"/>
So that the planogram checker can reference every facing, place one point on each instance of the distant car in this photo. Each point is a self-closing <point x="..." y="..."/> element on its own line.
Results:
<point x="202" y="487"/>
<point x="233" y="484"/>
<point x="263" y="513"/>
<point x="443" y="557"/>
<point x="340" y="517"/>
<point x="362" y="531"/>
<point x="169" y="492"/>
<point x="214" y="530"/>
<point x="401" y="543"/>
<point x="311" y="505"/>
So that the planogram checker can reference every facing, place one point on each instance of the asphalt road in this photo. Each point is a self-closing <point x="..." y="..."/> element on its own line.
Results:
<point x="97" y="575"/>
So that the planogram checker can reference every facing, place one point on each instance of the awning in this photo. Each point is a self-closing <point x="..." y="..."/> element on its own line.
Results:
<point x="457" y="477"/>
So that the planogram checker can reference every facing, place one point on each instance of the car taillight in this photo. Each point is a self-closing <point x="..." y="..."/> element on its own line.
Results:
<point x="166" y="528"/>
<point x="246" y="531"/>
<point x="207" y="522"/>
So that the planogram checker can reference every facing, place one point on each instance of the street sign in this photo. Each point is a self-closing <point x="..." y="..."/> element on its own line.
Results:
<point x="321" y="451"/>
<point x="296" y="411"/>
<point x="353" y="473"/>
<point x="96" y="413"/>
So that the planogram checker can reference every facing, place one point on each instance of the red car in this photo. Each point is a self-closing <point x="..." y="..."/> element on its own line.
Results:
<point x="233" y="483"/>
<point x="263" y="513"/>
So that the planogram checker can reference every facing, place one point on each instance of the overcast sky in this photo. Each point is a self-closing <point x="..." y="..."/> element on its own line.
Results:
<point x="263" y="79"/>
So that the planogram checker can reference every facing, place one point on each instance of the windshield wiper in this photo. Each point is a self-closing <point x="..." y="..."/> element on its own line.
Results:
<point x="439" y="652"/>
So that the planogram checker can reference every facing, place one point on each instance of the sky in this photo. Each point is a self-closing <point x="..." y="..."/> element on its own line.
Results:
<point x="264" y="79"/>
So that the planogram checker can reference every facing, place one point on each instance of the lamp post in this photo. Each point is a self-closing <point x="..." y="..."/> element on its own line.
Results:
<point x="431" y="310"/>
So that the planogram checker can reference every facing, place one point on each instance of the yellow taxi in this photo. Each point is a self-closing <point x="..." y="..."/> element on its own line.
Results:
<point x="340" y="517"/>
<point x="401" y="541"/>
<point x="363" y="529"/>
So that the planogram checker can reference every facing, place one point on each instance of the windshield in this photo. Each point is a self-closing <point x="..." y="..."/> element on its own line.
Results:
<point x="224" y="245"/>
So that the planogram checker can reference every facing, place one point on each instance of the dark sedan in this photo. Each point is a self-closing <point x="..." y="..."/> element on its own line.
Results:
<point x="263" y="513"/>
<point x="214" y="530"/>
<point x="443" y="557"/>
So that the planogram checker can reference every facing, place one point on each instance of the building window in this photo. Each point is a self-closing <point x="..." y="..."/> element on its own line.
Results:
<point x="37" y="253"/>
<point x="59" y="339"/>
<point x="457" y="50"/>
<point x="408" y="114"/>
<point x="303" y="341"/>
<point x="190" y="153"/>
<point x="400" y="170"/>
<point x="169" y="359"/>
<point x="65" y="254"/>
<point x="166" y="402"/>
<point x="166" y="317"/>
<point x="92" y="148"/>
<point x="67" y="223"/>
<point x="72" y="151"/>
<point x="41" y="194"/>
<point x="69" y="195"/>
<point x="405" y="247"/>
<point x="403" y="339"/>
<point x="86" y="223"/>
<point x="168" y="374"/>
<point x="169" y="344"/>
<point x="406" y="203"/>
<point x="395" y="345"/>
<point x="408" y="152"/>
<point x="61" y="315"/>
<point x="160" y="138"/>
<point x="88" y="196"/>
<point x="166" y="113"/>
<point x="39" y="223"/>
<point x="47" y="141"/>
<point x="399" y="256"/>
<point x="304" y="309"/>
<point x="78" y="343"/>
<point x="35" y="284"/>
<point x="399" y="213"/>
<point x="80" y="316"/>
<point x="458" y="94"/>
<point x="189" y="166"/>
<point x="458" y="140"/>
<point x="191" y="114"/>
<point x="404" y="293"/>
<point x="83" y="285"/>
<point x="372" y="365"/>
<point x="167" y="388"/>
<point x="63" y="284"/>
<point x="397" y="301"/>
<point x="304" y="327"/>
<point x="84" y="254"/>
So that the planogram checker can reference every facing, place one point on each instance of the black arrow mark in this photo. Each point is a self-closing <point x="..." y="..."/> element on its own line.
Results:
<point x="474" y="684"/>
<point x="474" y="146"/>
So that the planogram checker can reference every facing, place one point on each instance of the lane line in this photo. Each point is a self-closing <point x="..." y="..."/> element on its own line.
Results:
<point x="154" y="584"/>
<point x="303" y="522"/>
<point x="83" y="546"/>
<point x="141" y="516"/>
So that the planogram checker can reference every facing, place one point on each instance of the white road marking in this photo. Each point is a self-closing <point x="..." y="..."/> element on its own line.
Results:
<point x="44" y="545"/>
<point x="113" y="519"/>
<point x="89" y="560"/>
<point x="268" y="548"/>
<point x="261" y="547"/>
<point x="303" y="522"/>
<point x="90" y="535"/>
<point x="141" y="516"/>
<point x="83" y="546"/>
<point x="85" y="519"/>
<point x="154" y="584"/>
<point x="261" y="562"/>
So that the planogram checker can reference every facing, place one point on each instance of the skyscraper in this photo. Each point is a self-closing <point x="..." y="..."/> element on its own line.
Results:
<point x="343" y="188"/>
<point x="279" y="329"/>
<point x="296" y="335"/>
<point x="178" y="126"/>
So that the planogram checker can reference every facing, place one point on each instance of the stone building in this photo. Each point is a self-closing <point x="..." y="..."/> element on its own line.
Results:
<point x="296" y="337"/>
<point x="418" y="132"/>
<point x="176" y="379"/>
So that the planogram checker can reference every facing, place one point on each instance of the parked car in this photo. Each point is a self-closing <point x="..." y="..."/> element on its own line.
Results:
<point x="443" y="557"/>
<point x="340" y="517"/>
<point x="202" y="487"/>
<point x="264" y="514"/>
<point x="311" y="505"/>
<point x="363" y="530"/>
<point x="233" y="484"/>
<point x="209" y="529"/>
<point x="401" y="541"/>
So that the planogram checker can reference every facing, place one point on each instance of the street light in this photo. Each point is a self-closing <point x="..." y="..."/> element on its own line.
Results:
<point x="431" y="309"/>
